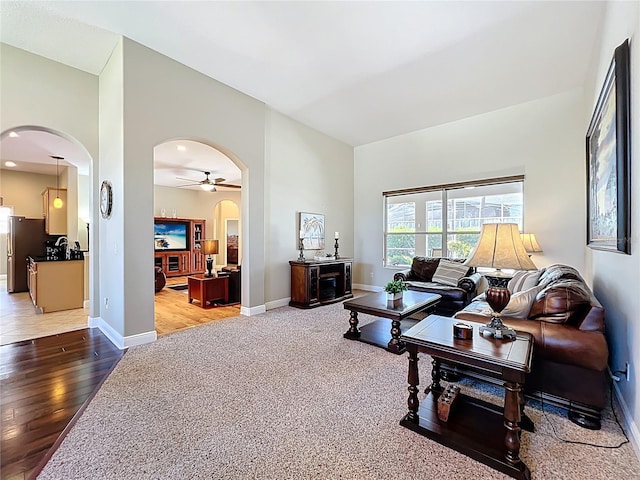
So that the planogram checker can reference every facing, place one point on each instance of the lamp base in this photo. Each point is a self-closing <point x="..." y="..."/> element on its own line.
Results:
<point x="498" y="296"/>
<point x="498" y="330"/>
<point x="210" y="273"/>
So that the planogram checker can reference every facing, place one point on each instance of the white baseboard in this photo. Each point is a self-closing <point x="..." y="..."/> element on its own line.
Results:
<point x="86" y="304"/>
<point x="629" y="424"/>
<point x="250" y="311"/>
<point x="283" y="302"/>
<point x="117" y="339"/>
<point x="367" y="288"/>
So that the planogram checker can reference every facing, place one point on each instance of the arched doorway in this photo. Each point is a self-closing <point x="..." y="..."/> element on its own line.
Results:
<point x="190" y="178"/>
<point x="28" y="170"/>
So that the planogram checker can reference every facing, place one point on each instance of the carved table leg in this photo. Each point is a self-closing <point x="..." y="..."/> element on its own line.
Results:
<point x="512" y="392"/>
<point x="413" y="378"/>
<point x="353" y="331"/>
<point x="525" y="421"/>
<point x="395" y="345"/>
<point x="435" y="386"/>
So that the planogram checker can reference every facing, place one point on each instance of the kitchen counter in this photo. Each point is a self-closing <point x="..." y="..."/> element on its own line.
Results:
<point x="56" y="284"/>
<point x="53" y="259"/>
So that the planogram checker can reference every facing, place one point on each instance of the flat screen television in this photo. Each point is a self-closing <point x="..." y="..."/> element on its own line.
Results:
<point x="169" y="235"/>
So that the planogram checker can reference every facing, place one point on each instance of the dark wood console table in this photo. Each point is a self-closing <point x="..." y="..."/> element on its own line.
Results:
<point x="481" y="430"/>
<point x="207" y="289"/>
<point x="315" y="283"/>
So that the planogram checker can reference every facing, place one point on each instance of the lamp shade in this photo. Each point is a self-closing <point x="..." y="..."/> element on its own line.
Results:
<point x="500" y="246"/>
<point x="210" y="247"/>
<point x="530" y="243"/>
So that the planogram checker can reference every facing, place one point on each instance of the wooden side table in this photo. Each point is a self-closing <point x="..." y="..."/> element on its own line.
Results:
<point x="483" y="431"/>
<point x="207" y="289"/>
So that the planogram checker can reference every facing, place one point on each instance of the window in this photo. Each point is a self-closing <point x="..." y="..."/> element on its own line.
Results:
<point x="5" y="212"/>
<point x="446" y="220"/>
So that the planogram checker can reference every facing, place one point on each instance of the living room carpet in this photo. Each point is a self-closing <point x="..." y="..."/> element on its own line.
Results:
<point x="283" y="395"/>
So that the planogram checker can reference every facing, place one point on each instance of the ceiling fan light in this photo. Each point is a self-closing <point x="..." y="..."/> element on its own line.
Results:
<point x="209" y="187"/>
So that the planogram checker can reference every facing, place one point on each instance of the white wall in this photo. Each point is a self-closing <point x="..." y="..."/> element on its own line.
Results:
<point x="108" y="238"/>
<point x="306" y="172"/>
<point x="23" y="191"/>
<point x="191" y="203"/>
<point x="38" y="92"/>
<point x="616" y="277"/>
<point x="542" y="139"/>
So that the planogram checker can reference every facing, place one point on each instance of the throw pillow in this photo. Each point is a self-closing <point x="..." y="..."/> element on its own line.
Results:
<point x="523" y="280"/>
<point x="448" y="273"/>
<point x="520" y="303"/>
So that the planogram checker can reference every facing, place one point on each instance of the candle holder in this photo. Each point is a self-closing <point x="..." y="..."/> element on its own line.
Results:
<point x="301" y="256"/>
<point x="336" y="247"/>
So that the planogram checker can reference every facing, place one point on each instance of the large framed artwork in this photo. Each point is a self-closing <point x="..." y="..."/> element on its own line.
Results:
<point x="608" y="161"/>
<point x="312" y="230"/>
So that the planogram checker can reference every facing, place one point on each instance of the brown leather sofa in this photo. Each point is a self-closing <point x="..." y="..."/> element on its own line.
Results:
<point x="420" y="278"/>
<point x="570" y="353"/>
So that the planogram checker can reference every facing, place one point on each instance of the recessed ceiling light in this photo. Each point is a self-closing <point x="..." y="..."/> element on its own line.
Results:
<point x="9" y="163"/>
<point x="13" y="134"/>
<point x="182" y="148"/>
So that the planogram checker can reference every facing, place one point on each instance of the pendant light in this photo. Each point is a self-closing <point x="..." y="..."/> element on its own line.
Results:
<point x="57" y="202"/>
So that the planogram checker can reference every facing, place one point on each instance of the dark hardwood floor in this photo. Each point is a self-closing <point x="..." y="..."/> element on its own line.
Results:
<point x="44" y="383"/>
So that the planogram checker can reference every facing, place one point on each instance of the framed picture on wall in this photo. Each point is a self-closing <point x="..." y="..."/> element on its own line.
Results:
<point x="608" y="160"/>
<point x="312" y="230"/>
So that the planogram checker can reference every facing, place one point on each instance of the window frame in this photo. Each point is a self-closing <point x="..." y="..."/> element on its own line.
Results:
<point x="443" y="188"/>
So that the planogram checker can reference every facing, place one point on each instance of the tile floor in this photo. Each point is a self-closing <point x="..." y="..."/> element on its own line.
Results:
<point x="19" y="321"/>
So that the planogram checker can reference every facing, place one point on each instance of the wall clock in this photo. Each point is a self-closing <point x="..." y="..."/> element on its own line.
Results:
<point x="106" y="199"/>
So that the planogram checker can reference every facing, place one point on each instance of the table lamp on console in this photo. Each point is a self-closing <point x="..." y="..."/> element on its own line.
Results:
<point x="500" y="246"/>
<point x="210" y="247"/>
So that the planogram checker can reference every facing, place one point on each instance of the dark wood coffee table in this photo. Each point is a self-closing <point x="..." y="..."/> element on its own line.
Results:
<point x="481" y="430"/>
<point x="378" y="332"/>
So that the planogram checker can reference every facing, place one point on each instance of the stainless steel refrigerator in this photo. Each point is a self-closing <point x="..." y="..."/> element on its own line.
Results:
<point x="26" y="238"/>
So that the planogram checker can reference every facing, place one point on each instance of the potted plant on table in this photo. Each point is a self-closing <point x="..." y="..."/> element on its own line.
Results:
<point x="394" y="290"/>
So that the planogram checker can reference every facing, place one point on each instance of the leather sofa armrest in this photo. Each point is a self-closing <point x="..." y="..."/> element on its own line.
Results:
<point x="470" y="283"/>
<point x="593" y="320"/>
<point x="403" y="275"/>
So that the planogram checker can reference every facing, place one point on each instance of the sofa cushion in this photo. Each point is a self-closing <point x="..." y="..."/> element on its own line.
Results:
<point x="449" y="273"/>
<point x="523" y="280"/>
<point x="423" y="268"/>
<point x="520" y="303"/>
<point x="447" y="292"/>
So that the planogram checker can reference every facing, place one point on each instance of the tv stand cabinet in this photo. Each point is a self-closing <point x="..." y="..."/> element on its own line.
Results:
<point x="184" y="262"/>
<point x="316" y="283"/>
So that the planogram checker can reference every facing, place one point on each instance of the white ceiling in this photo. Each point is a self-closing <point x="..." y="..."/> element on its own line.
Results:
<point x="358" y="71"/>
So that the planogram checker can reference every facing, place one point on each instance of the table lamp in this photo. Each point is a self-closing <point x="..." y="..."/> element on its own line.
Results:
<point x="530" y="243"/>
<point x="210" y="247"/>
<point x="500" y="246"/>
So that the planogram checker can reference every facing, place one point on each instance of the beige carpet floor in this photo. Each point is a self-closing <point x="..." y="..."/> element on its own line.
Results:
<point x="283" y="396"/>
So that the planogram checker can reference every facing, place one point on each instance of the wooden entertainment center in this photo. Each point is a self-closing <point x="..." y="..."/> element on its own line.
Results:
<point x="183" y="262"/>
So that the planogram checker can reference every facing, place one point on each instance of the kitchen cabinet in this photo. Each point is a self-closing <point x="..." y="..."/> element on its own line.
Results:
<point x="56" y="285"/>
<point x="55" y="218"/>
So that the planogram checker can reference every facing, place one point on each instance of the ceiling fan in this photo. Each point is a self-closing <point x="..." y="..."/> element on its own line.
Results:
<point x="208" y="184"/>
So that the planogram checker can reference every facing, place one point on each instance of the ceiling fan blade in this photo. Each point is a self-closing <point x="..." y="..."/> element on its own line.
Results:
<point x="228" y="185"/>
<point x="187" y="179"/>
<point x="189" y="185"/>
<point x="218" y="180"/>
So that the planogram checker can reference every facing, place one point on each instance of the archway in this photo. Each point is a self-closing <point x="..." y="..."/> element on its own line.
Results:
<point x="190" y="178"/>
<point x="30" y="149"/>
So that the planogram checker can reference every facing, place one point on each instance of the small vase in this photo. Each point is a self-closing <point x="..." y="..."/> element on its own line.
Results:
<point x="391" y="297"/>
